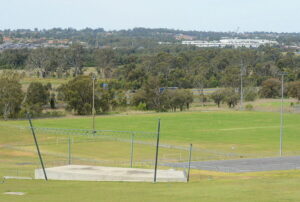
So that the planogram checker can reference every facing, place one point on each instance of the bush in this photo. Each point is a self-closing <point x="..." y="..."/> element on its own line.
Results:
<point x="34" y="109"/>
<point x="38" y="94"/>
<point x="250" y="94"/>
<point x="217" y="97"/>
<point x="23" y="114"/>
<point x="162" y="99"/>
<point x="230" y="97"/>
<point x="270" y="88"/>
<point x="141" y="106"/>
<point x="11" y="94"/>
<point x="249" y="107"/>
<point x="53" y="114"/>
<point x="293" y="89"/>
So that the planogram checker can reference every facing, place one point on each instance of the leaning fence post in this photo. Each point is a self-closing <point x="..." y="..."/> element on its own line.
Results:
<point x="156" y="153"/>
<point x="37" y="146"/>
<point x="189" y="168"/>
<point x="131" y="153"/>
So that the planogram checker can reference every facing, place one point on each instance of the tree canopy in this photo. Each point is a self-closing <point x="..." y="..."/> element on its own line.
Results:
<point x="11" y="95"/>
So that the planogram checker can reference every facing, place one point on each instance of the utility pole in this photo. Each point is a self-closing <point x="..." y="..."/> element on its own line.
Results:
<point x="282" y="74"/>
<point x="242" y="91"/>
<point x="93" y="110"/>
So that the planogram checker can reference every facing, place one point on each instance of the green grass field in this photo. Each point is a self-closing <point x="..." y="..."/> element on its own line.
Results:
<point x="250" y="134"/>
<point x="272" y="186"/>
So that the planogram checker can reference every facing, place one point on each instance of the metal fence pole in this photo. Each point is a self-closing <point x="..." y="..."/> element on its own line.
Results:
<point x="93" y="107"/>
<point x="281" y="116"/>
<point x="131" y="153"/>
<point x="190" y="159"/>
<point x="69" y="151"/>
<point x="282" y="74"/>
<point x="242" y="93"/>
<point x="156" y="153"/>
<point x="37" y="146"/>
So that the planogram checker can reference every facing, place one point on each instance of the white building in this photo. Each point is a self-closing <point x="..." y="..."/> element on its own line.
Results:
<point x="203" y="43"/>
<point x="248" y="43"/>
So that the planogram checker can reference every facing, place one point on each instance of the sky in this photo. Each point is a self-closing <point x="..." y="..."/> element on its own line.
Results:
<point x="200" y="15"/>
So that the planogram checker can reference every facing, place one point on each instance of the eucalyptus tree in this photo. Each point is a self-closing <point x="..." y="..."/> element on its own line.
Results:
<point x="11" y="95"/>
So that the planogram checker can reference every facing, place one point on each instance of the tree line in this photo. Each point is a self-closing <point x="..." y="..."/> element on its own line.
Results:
<point x="270" y="88"/>
<point x="139" y="35"/>
<point x="174" y="66"/>
<point x="78" y="97"/>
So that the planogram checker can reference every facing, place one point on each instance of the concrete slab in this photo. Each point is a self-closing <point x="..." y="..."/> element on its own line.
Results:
<point x="15" y="193"/>
<point x="99" y="173"/>
<point x="16" y="178"/>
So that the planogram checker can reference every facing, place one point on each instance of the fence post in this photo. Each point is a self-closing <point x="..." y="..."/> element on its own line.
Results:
<point x="131" y="153"/>
<point x="37" y="146"/>
<point x="189" y="168"/>
<point x="69" y="151"/>
<point x="156" y="153"/>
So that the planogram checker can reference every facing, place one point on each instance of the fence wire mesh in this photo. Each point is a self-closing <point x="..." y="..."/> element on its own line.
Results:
<point x="109" y="148"/>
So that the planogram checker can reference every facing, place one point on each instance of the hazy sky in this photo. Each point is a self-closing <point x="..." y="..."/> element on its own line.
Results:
<point x="206" y="15"/>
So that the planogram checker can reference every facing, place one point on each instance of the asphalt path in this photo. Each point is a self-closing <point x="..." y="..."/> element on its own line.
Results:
<point x="244" y="165"/>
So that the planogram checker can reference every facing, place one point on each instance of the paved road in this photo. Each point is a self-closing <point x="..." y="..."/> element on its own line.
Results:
<point x="245" y="165"/>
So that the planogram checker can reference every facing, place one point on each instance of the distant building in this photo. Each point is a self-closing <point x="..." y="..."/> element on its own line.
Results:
<point x="236" y="43"/>
<point x="7" y="39"/>
<point x="248" y="43"/>
<point x="8" y="45"/>
<point x="294" y="47"/>
<point x="203" y="44"/>
<point x="183" y="37"/>
<point x="164" y="43"/>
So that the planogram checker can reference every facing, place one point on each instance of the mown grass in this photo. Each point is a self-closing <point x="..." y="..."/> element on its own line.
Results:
<point x="255" y="133"/>
<point x="241" y="132"/>
<point x="272" y="186"/>
<point x="275" y="104"/>
<point x="215" y="135"/>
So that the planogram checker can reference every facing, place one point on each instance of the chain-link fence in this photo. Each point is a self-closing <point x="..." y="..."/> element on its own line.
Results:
<point x="60" y="147"/>
<point x="126" y="149"/>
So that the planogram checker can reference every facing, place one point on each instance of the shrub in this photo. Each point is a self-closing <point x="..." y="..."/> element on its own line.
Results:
<point x="217" y="97"/>
<point x="141" y="106"/>
<point x="230" y="97"/>
<point x="23" y="114"/>
<point x="270" y="88"/>
<point x="249" y="107"/>
<point x="294" y="89"/>
<point x="250" y="94"/>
